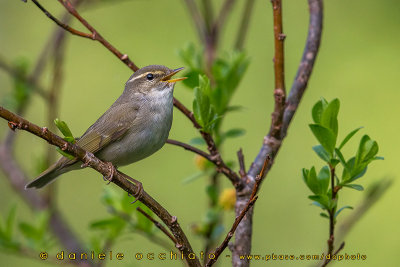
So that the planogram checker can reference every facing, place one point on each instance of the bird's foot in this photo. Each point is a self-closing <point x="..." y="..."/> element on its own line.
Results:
<point x="112" y="170"/>
<point x="139" y="191"/>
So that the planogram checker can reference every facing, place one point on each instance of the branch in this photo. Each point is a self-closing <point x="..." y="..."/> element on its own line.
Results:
<point x="94" y="34"/>
<point x="271" y="145"/>
<point x="242" y="165"/>
<point x="238" y="219"/>
<point x="307" y="62"/>
<point x="272" y="141"/>
<point x="228" y="237"/>
<point x="14" y="72"/>
<point x="197" y="19"/>
<point x="215" y="156"/>
<point x="190" y="148"/>
<point x="120" y="179"/>
<point x="158" y="225"/>
<point x="244" y="25"/>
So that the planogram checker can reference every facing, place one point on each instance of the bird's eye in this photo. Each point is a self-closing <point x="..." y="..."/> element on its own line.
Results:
<point x="150" y="77"/>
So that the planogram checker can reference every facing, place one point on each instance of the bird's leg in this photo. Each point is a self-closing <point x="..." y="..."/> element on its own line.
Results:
<point x="112" y="170"/>
<point x="139" y="191"/>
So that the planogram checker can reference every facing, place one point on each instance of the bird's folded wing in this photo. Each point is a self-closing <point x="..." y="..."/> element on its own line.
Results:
<point x="108" y="128"/>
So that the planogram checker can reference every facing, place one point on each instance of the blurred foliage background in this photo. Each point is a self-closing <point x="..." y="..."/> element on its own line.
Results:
<point x="359" y="62"/>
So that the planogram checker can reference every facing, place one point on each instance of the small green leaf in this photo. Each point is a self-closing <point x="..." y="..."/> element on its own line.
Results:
<point x="342" y="208"/>
<point x="63" y="127"/>
<point x="321" y="152"/>
<point x="317" y="112"/>
<point x="355" y="186"/>
<point x="197" y="141"/>
<point x="65" y="154"/>
<point x="321" y="199"/>
<point x="310" y="178"/>
<point x="212" y="193"/>
<point x="367" y="150"/>
<point x="324" y="215"/>
<point x="329" y="116"/>
<point x="348" y="137"/>
<point x="323" y="179"/>
<point x="10" y="221"/>
<point x="233" y="133"/>
<point x="341" y="158"/>
<point x="234" y="108"/>
<point x="325" y="137"/>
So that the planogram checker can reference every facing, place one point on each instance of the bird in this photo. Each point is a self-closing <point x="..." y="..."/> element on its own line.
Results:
<point x="135" y="126"/>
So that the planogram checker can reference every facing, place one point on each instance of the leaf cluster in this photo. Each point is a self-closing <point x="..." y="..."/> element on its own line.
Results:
<point x="325" y="129"/>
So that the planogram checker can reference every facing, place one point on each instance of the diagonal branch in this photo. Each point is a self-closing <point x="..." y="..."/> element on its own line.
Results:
<point x="120" y="179"/>
<point x="157" y="224"/>
<point x="94" y="34"/>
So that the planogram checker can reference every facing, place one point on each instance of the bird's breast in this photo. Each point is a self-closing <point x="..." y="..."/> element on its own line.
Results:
<point x="148" y="133"/>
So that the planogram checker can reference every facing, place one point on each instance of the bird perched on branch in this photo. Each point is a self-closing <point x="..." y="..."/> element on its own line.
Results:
<point x="133" y="128"/>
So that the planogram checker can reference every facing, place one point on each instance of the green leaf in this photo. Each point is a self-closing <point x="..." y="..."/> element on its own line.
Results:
<point x="202" y="109"/>
<point x="234" y="108"/>
<point x="329" y="116"/>
<point x="348" y="137"/>
<point x="212" y="193"/>
<point x="65" y="154"/>
<point x="355" y="186"/>
<point x="325" y="137"/>
<point x="342" y="208"/>
<point x="29" y="231"/>
<point x="323" y="200"/>
<point x="323" y="179"/>
<point x="324" y="215"/>
<point x="341" y="158"/>
<point x="233" y="133"/>
<point x="367" y="150"/>
<point x="194" y="177"/>
<point x="197" y="141"/>
<point x="192" y="78"/>
<point x="321" y="152"/>
<point x="310" y="178"/>
<point x="10" y="221"/>
<point x="63" y="127"/>
<point x="317" y="112"/>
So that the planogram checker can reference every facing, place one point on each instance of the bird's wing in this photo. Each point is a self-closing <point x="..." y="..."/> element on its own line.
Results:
<point x="111" y="126"/>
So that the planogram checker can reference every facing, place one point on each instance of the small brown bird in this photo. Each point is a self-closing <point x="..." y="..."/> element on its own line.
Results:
<point x="133" y="128"/>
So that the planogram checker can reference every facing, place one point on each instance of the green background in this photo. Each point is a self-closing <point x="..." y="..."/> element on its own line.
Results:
<point x="359" y="63"/>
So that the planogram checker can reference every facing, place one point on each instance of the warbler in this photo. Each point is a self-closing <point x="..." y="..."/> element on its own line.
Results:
<point x="133" y="128"/>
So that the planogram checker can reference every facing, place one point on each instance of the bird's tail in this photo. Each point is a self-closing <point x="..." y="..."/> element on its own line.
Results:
<point x="49" y="175"/>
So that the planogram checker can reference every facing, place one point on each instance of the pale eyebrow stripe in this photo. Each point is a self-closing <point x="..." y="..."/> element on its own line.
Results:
<point x="144" y="74"/>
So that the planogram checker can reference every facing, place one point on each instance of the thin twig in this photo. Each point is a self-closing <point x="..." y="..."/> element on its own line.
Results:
<point x="197" y="19"/>
<point x="242" y="166"/>
<point x="120" y="179"/>
<point x="62" y="25"/>
<point x="223" y="15"/>
<point x="244" y="24"/>
<point x="279" y="71"/>
<point x="238" y="219"/>
<point x="190" y="148"/>
<point x="94" y="35"/>
<point x="158" y="225"/>
<point x="208" y="13"/>
<point x="39" y="89"/>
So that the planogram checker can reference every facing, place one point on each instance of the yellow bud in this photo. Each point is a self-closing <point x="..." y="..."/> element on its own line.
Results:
<point x="227" y="199"/>
<point x="200" y="162"/>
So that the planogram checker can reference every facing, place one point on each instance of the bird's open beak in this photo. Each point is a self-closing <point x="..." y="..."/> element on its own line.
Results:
<point x="168" y="77"/>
